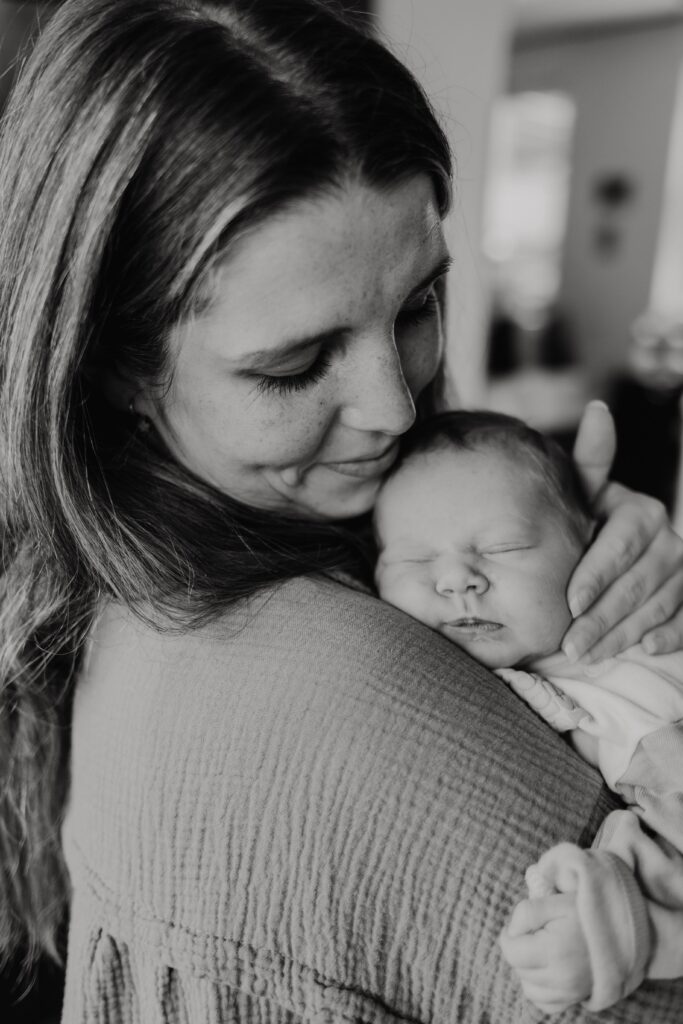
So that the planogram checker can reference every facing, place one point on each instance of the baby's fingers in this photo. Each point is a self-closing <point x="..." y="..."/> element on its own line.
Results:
<point x="523" y="952"/>
<point x="533" y="914"/>
<point x="546" y="998"/>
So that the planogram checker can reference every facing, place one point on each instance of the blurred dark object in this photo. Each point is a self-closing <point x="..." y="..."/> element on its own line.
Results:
<point x="613" y="192"/>
<point x="37" y="1002"/>
<point x="646" y="404"/>
<point x="555" y="345"/>
<point x="512" y="345"/>
<point x="504" y="355"/>
<point x="648" y="422"/>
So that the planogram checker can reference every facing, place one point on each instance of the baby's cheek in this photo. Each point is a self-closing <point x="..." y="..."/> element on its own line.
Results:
<point x="406" y="593"/>
<point x="552" y="608"/>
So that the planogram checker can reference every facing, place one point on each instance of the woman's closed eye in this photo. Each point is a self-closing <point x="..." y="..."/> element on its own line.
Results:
<point x="287" y="382"/>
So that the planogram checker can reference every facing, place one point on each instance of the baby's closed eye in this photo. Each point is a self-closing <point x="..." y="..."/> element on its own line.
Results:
<point x="504" y="549"/>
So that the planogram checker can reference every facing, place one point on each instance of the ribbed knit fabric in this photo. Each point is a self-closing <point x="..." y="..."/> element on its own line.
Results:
<point x="315" y="810"/>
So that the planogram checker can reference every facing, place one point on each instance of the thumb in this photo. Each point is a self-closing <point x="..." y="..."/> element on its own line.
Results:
<point x="595" y="447"/>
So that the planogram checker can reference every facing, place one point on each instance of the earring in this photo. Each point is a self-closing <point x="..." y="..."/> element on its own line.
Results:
<point x="143" y="424"/>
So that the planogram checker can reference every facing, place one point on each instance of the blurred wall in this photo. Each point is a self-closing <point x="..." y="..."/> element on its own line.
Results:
<point x="624" y="85"/>
<point x="459" y="49"/>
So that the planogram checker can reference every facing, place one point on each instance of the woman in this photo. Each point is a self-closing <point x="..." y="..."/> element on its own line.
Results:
<point x="222" y="265"/>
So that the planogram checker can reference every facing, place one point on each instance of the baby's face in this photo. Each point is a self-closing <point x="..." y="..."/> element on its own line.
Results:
<point x="469" y="547"/>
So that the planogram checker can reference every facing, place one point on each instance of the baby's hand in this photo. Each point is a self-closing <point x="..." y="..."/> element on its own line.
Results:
<point x="545" y="945"/>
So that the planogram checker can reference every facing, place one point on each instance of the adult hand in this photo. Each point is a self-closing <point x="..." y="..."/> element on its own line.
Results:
<point x="628" y="587"/>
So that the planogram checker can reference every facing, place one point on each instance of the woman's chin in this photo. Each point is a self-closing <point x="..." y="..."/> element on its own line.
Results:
<point x="350" y="499"/>
<point x="318" y="493"/>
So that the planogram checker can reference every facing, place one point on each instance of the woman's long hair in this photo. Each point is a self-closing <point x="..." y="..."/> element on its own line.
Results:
<point x="142" y="138"/>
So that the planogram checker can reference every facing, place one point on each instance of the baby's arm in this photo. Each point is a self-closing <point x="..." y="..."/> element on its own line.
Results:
<point x="546" y="699"/>
<point x="556" y="707"/>
<point x="599" y="921"/>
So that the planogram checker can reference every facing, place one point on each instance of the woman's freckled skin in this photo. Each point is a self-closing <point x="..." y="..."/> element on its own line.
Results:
<point x="345" y="263"/>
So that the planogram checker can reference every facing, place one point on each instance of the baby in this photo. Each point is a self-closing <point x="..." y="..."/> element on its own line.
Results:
<point x="479" y="528"/>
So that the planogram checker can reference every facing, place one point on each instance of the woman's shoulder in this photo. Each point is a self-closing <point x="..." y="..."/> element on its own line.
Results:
<point x="312" y="658"/>
<point x="325" y="618"/>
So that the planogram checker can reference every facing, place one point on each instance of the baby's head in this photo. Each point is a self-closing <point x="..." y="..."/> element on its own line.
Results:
<point x="479" y="526"/>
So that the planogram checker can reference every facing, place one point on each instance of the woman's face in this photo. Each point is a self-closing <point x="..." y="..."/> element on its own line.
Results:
<point x="290" y="390"/>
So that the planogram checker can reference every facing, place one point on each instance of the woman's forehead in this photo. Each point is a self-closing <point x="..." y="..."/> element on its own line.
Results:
<point x="322" y="262"/>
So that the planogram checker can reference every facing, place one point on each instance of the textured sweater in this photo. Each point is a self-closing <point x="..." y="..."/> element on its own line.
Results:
<point x="314" y="809"/>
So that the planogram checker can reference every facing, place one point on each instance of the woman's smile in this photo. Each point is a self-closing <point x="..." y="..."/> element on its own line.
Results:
<point x="367" y="465"/>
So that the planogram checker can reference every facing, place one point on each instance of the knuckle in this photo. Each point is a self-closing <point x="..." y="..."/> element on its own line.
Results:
<point x="669" y="640"/>
<point x="656" y="513"/>
<point x="596" y="626"/>
<point x="635" y="592"/>
<point x="661" y="610"/>
<point x="627" y="547"/>
<point x="677" y="549"/>
<point x="593" y="584"/>
<point x="619" y="640"/>
<point x="649" y="507"/>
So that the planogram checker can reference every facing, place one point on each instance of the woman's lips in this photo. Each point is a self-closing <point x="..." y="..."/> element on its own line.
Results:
<point x="373" y="465"/>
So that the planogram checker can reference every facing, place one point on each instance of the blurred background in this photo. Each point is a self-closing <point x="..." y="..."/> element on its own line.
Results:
<point x="566" y="120"/>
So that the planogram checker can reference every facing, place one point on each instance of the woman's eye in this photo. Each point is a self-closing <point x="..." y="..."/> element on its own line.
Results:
<point x="286" y="383"/>
<point x="424" y="310"/>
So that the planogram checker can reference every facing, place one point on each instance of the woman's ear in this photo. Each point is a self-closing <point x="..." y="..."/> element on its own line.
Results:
<point x="116" y="389"/>
<point x="121" y="393"/>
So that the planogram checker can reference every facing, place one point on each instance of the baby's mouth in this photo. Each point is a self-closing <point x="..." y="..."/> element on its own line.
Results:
<point x="473" y="626"/>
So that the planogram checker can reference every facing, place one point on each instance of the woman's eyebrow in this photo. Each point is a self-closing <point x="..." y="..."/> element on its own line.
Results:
<point x="438" y="270"/>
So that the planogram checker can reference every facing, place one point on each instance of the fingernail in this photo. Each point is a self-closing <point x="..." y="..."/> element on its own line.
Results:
<point x="571" y="651"/>
<point x="578" y="602"/>
<point x="598" y="402"/>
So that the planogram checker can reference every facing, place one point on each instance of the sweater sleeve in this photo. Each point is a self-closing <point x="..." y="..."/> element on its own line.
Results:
<point x="321" y="807"/>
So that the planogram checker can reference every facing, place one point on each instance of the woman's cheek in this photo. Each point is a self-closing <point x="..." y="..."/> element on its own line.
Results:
<point x="421" y="353"/>
<point x="286" y="428"/>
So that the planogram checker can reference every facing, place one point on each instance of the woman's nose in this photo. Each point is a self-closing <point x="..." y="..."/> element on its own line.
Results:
<point x="377" y="396"/>
<point x="459" y="580"/>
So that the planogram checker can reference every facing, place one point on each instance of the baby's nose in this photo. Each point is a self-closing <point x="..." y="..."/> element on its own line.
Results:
<point x="460" y="579"/>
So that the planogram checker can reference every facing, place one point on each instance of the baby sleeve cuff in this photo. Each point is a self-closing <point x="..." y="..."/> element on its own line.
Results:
<point x="614" y="917"/>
